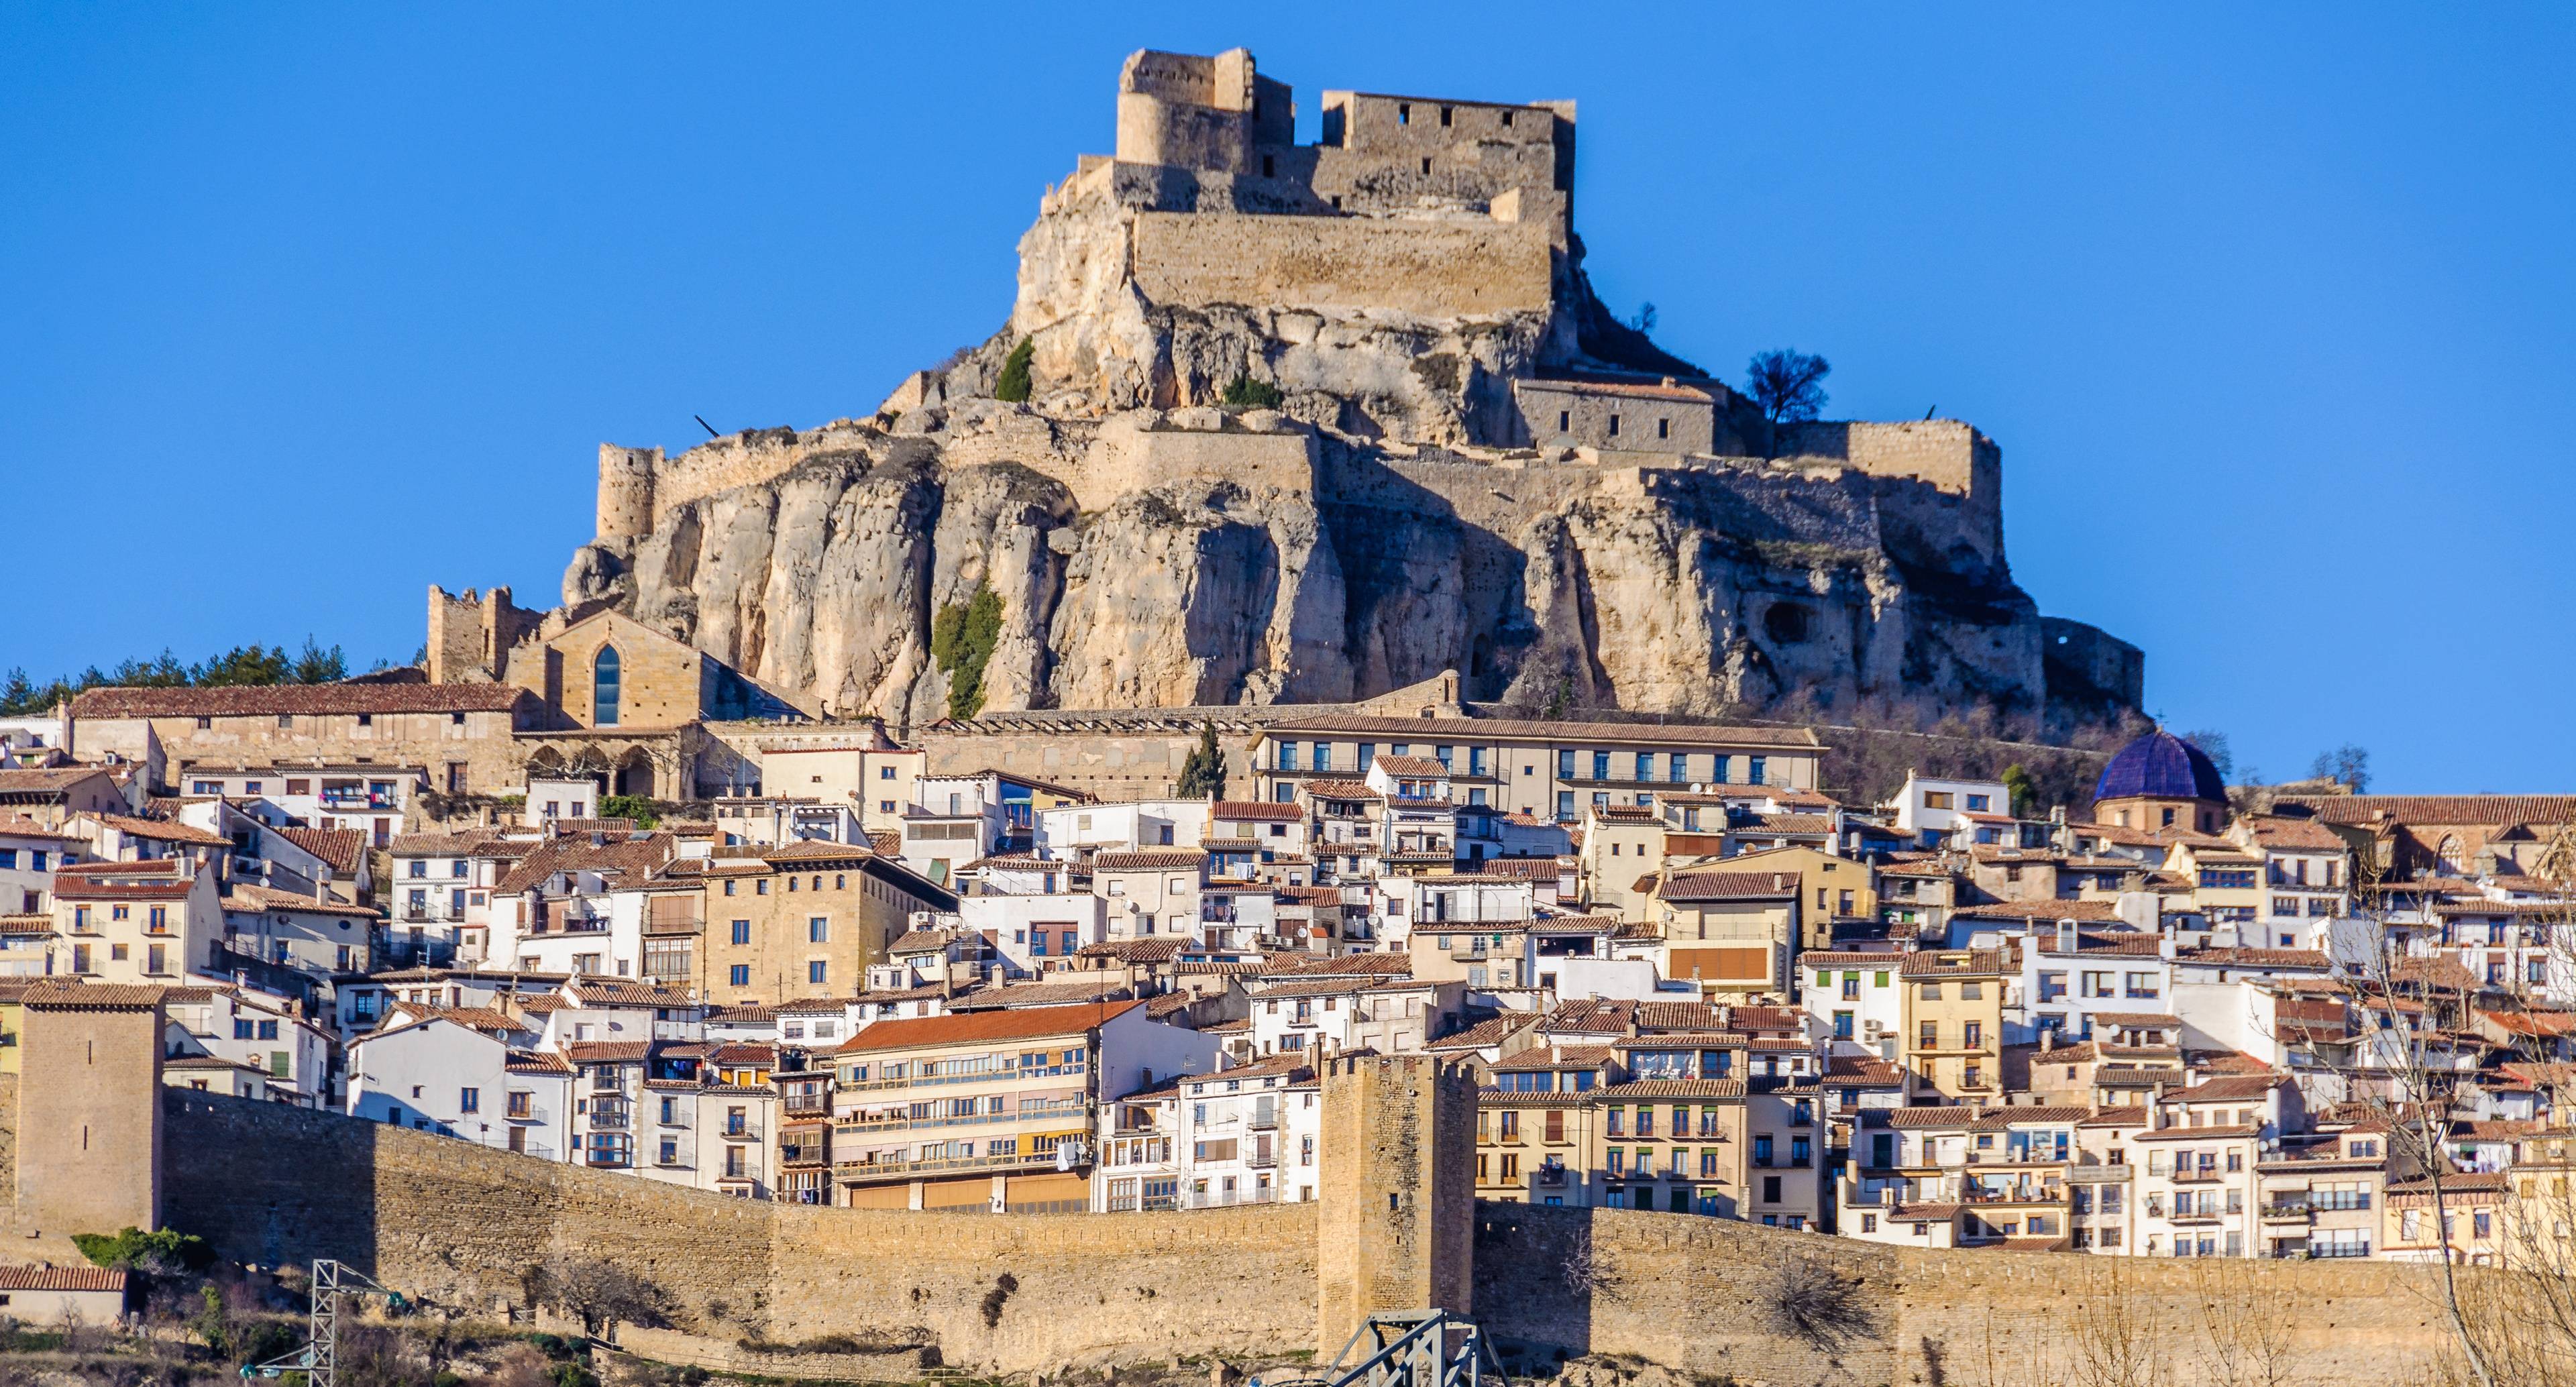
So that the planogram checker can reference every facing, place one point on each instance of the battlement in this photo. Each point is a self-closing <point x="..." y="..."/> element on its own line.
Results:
<point x="1378" y="155"/>
<point x="470" y="634"/>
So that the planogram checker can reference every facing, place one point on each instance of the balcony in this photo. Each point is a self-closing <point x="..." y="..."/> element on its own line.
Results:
<point x="938" y="1080"/>
<point x="2329" y="1251"/>
<point x="2198" y="1177"/>
<point x="739" y="1131"/>
<point x="607" y="1119"/>
<point x="526" y="1112"/>
<point x="1263" y="1119"/>
<point x="1261" y="1160"/>
<point x="1031" y="1113"/>
<point x="863" y="1171"/>
<point x="1218" y="1199"/>
<point x="2286" y="1211"/>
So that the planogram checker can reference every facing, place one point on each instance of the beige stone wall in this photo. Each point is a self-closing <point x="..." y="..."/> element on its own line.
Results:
<point x="89" y="1129"/>
<point x="456" y="1223"/>
<point x="728" y="1356"/>
<point x="1429" y="269"/>
<point x="1397" y="1202"/>
<point x="1695" y="1294"/>
<point x="626" y="487"/>
<point x="1111" y="766"/>
<point x="638" y="485"/>
<point x="432" y="741"/>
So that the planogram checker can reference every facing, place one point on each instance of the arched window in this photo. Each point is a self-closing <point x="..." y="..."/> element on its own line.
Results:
<point x="603" y="688"/>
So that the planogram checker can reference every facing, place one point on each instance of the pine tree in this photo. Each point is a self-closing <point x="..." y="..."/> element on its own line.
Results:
<point x="1203" y="774"/>
<point x="1014" y="384"/>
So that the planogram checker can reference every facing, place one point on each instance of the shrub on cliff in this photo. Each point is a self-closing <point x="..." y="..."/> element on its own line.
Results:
<point x="962" y="637"/>
<point x="1014" y="384"/>
<point x="1243" y="392"/>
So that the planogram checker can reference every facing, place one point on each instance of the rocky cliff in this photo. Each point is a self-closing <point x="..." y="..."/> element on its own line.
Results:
<point x="1395" y="508"/>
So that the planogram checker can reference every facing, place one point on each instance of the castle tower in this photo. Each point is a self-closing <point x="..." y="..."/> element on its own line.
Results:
<point x="89" y="1108"/>
<point x="470" y="636"/>
<point x="1397" y="1222"/>
<point x="626" y="491"/>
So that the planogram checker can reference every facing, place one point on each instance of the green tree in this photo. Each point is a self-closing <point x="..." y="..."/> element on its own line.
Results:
<point x="962" y="638"/>
<point x="18" y="694"/>
<point x="318" y="666"/>
<point x="240" y="667"/>
<point x="2018" y="790"/>
<point x="1243" y="392"/>
<point x="1014" y="384"/>
<point x="1203" y="774"/>
<point x="635" y="807"/>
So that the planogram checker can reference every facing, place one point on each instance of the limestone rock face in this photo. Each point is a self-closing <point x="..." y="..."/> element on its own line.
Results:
<point x="1688" y="591"/>
<point x="1390" y="518"/>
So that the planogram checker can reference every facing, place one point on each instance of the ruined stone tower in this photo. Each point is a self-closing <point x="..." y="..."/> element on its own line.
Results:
<point x="1396" y="1227"/>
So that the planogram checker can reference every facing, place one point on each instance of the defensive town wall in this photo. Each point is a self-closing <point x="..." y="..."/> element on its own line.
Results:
<point x="459" y="1225"/>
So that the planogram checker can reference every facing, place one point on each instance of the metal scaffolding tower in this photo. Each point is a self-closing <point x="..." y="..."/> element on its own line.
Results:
<point x="1413" y="1348"/>
<point x="319" y="1359"/>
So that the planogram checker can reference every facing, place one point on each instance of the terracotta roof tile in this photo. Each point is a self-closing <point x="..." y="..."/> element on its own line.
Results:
<point x="974" y="1027"/>
<point x="297" y="698"/>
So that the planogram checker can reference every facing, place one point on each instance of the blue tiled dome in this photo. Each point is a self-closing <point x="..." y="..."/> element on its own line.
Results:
<point x="2160" y="765"/>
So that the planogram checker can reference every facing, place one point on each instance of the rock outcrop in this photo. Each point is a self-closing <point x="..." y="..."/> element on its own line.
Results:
<point x="1423" y="468"/>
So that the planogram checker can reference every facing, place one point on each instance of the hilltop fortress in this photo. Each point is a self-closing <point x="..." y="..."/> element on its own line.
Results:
<point x="1445" y="453"/>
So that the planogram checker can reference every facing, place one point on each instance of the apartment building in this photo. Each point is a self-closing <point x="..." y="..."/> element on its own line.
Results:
<point x="1853" y="999"/>
<point x="249" y="1031"/>
<point x="2323" y="1195"/>
<point x="1953" y="1032"/>
<point x="1247" y="1135"/>
<point x="2199" y="1185"/>
<point x="1547" y="769"/>
<point x="1729" y="933"/>
<point x="798" y="920"/>
<point x="137" y="922"/>
<point x="992" y="1109"/>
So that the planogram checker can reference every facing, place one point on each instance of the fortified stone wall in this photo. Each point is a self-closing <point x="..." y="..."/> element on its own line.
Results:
<point x="1699" y="1295"/>
<point x="458" y="1224"/>
<point x="1430" y="269"/>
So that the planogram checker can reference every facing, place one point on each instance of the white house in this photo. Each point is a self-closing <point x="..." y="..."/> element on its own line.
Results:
<point x="245" y="1030"/>
<point x="1854" y="1000"/>
<point x="445" y="1076"/>
<point x="1246" y="1135"/>
<point x="1931" y="811"/>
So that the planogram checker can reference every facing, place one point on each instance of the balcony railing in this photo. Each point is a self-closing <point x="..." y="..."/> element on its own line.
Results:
<point x="935" y="1080"/>
<point x="865" y="1170"/>
<point x="986" y="1119"/>
<point x="740" y="1131"/>
<point x="526" y="1113"/>
<point x="1219" y="1199"/>
<point x="1261" y="1160"/>
<point x="2324" y="1251"/>
<point x="610" y="1119"/>
<point x="1262" y="1119"/>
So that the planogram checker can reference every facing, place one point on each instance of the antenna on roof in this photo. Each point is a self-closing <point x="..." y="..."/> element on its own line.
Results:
<point x="1927" y="412"/>
<point x="711" y="429"/>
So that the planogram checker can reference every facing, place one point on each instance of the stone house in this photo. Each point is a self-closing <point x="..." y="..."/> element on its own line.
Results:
<point x="775" y="924"/>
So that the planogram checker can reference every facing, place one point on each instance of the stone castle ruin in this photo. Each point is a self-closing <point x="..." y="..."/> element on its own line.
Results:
<point x="1444" y="453"/>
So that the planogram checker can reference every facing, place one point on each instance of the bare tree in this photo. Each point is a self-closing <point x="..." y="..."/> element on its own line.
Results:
<point x="1789" y="386"/>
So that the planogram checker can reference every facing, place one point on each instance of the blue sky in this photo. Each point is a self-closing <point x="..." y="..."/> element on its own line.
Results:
<point x="2271" y="308"/>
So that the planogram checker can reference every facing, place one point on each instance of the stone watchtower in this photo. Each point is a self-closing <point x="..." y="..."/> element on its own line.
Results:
<point x="1397" y="1223"/>
<point x="89" y="1109"/>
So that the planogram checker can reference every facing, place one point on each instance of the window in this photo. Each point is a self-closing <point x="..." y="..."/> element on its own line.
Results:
<point x="469" y="1100"/>
<point x="1601" y="765"/>
<point x="741" y="929"/>
<point x="740" y="975"/>
<point x="1978" y="804"/>
<point x="816" y="971"/>
<point x="818" y="930"/>
<point x="604" y="687"/>
<point x="1753" y="770"/>
<point x="1645" y="765"/>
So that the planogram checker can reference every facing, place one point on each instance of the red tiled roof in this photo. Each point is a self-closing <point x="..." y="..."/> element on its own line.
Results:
<point x="297" y="698"/>
<point x="1149" y="860"/>
<point x="61" y="1279"/>
<point x="2438" y="809"/>
<point x="341" y="847"/>
<point x="965" y="1028"/>
<point x="1727" y="886"/>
